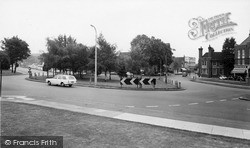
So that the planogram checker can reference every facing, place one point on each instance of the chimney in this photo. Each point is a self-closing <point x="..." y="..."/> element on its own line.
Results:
<point x="200" y="52"/>
<point x="210" y="51"/>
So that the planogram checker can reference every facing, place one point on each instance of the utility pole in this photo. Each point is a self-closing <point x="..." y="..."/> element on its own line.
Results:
<point x="95" y="54"/>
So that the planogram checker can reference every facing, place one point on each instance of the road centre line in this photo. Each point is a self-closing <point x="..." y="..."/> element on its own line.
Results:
<point x="130" y="106"/>
<point x="223" y="100"/>
<point x="209" y="101"/>
<point x="174" y="105"/>
<point x="152" y="106"/>
<point x="193" y="103"/>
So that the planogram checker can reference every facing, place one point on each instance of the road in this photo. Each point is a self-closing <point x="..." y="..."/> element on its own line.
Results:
<point x="201" y="103"/>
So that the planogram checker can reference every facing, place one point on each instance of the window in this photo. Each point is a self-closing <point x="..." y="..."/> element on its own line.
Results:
<point x="214" y="71"/>
<point x="243" y="61"/>
<point x="238" y="54"/>
<point x="214" y="63"/>
<point x="64" y="77"/>
<point x="243" y="54"/>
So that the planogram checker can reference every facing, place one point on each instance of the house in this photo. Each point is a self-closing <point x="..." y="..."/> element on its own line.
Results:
<point x="210" y="64"/>
<point x="184" y="63"/>
<point x="242" y="59"/>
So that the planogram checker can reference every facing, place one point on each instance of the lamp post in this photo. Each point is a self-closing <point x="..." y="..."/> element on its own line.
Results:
<point x="95" y="54"/>
<point x="1" y="78"/>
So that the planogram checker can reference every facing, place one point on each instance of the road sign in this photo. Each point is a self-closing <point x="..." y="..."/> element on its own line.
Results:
<point x="137" y="81"/>
<point x="129" y="81"/>
<point x="148" y="81"/>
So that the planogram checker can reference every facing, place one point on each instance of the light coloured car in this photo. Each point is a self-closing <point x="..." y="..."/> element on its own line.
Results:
<point x="62" y="80"/>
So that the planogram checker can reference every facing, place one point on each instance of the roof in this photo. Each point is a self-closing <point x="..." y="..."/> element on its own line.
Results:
<point x="216" y="55"/>
<point x="247" y="40"/>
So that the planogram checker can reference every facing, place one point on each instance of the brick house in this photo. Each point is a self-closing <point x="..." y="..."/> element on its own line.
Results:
<point x="242" y="58"/>
<point x="210" y="64"/>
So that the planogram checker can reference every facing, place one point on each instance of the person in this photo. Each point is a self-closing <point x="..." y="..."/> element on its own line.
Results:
<point x="30" y="73"/>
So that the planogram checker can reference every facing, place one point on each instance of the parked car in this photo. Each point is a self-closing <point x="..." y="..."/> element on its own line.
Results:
<point x="62" y="80"/>
<point x="222" y="77"/>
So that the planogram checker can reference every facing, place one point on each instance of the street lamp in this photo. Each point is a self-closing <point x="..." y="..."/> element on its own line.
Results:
<point x="95" y="54"/>
<point x="1" y="78"/>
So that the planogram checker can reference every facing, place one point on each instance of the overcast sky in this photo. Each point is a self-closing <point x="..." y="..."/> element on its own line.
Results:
<point x="119" y="21"/>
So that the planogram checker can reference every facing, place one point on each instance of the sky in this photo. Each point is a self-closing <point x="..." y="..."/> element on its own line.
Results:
<point x="120" y="21"/>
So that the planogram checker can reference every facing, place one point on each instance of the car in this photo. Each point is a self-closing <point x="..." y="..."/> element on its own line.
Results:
<point x="62" y="80"/>
<point x="222" y="77"/>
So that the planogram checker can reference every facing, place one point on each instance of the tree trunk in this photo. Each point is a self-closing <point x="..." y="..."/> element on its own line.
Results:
<point x="110" y="75"/>
<point x="12" y="68"/>
<point x="105" y="76"/>
<point x="15" y="67"/>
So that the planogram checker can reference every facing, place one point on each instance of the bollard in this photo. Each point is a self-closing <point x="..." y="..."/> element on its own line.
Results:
<point x="179" y="85"/>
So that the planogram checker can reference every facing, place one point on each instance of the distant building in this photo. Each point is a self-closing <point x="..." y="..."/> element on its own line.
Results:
<point x="184" y="63"/>
<point x="242" y="58"/>
<point x="210" y="64"/>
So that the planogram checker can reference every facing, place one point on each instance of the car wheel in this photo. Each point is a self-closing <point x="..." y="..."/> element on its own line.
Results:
<point x="62" y="84"/>
<point x="49" y="83"/>
<point x="70" y="85"/>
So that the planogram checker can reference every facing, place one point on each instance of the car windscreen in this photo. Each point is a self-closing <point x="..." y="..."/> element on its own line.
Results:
<point x="72" y="78"/>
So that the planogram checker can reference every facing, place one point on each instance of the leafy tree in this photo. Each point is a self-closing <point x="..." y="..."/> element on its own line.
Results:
<point x="147" y="53"/>
<point x="17" y="50"/>
<point x="5" y="60"/>
<point x="106" y="55"/>
<point x="228" y="55"/>
<point x="65" y="53"/>
<point x="139" y="59"/>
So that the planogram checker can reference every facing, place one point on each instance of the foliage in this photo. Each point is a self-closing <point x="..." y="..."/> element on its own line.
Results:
<point x="147" y="53"/>
<point x="5" y="60"/>
<point x="65" y="53"/>
<point x="16" y="49"/>
<point x="228" y="55"/>
<point x="107" y="55"/>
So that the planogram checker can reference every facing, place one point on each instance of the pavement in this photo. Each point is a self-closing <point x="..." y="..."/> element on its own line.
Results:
<point x="157" y="121"/>
<point x="220" y="83"/>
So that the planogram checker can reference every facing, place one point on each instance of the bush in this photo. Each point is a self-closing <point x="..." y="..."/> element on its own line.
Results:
<point x="5" y="60"/>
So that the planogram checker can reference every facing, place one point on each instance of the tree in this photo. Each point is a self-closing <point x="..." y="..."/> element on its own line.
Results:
<point x="65" y="53"/>
<point x="228" y="55"/>
<point x="17" y="50"/>
<point x="139" y="59"/>
<point x="106" y="56"/>
<point x="149" y="54"/>
<point x="5" y="60"/>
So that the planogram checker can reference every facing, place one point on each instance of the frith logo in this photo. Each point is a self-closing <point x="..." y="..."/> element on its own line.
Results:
<point x="210" y="28"/>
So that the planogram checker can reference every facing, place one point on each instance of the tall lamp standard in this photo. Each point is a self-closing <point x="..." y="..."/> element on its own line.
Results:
<point x="95" y="54"/>
<point x="1" y="78"/>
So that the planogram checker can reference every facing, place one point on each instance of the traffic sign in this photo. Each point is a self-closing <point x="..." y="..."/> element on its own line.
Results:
<point x="137" y="81"/>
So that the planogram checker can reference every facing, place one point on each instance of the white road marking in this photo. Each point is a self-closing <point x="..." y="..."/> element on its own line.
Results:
<point x="248" y="109"/>
<point x="209" y="101"/>
<point x="152" y="106"/>
<point x="10" y="98"/>
<point x="130" y="106"/>
<point x="223" y="100"/>
<point x="100" y="110"/>
<point x="193" y="103"/>
<point x="174" y="105"/>
<point x="27" y="99"/>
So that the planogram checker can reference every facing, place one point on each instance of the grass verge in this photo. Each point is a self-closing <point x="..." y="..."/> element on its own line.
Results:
<point x="9" y="73"/>
<point x="83" y="130"/>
